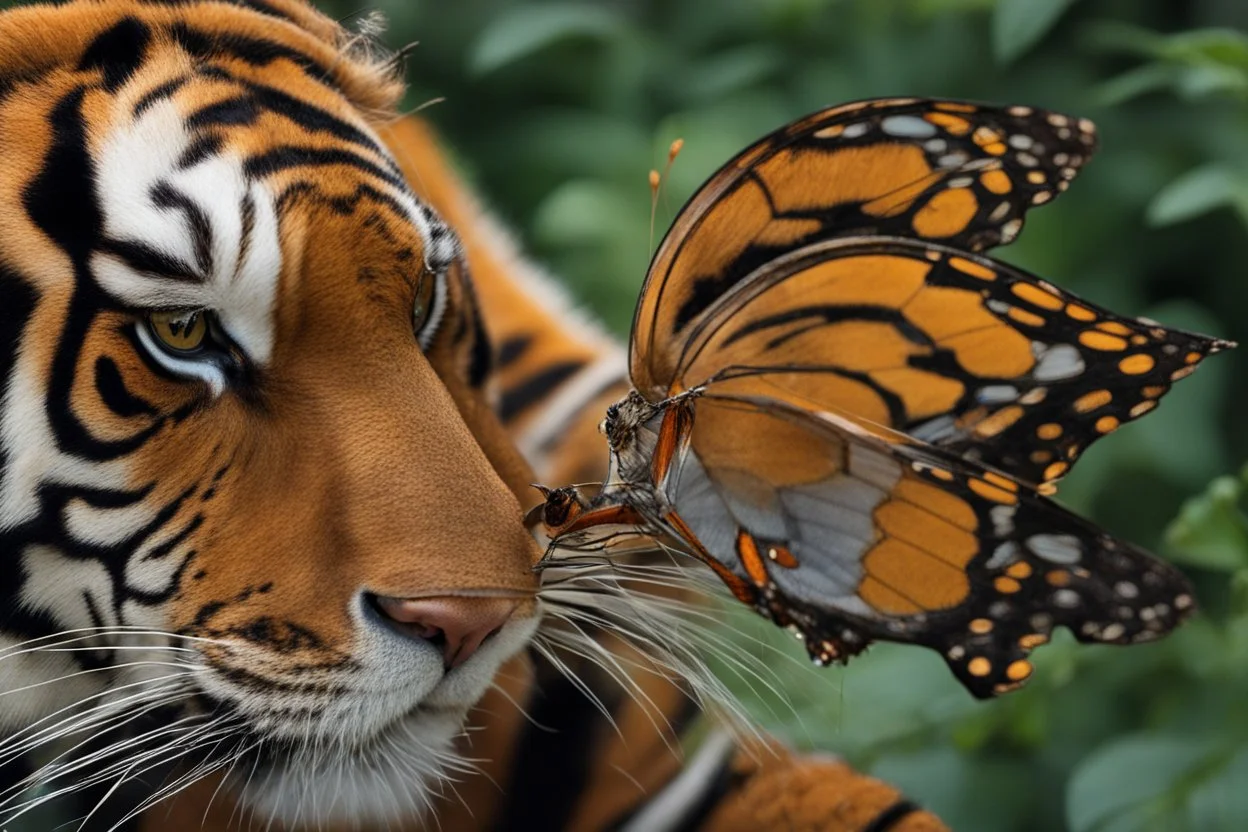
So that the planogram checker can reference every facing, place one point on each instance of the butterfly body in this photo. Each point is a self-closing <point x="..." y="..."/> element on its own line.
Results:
<point x="854" y="417"/>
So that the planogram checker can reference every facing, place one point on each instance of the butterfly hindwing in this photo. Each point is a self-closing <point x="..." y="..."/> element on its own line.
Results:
<point x="851" y="539"/>
<point x="954" y="348"/>
<point x="948" y="171"/>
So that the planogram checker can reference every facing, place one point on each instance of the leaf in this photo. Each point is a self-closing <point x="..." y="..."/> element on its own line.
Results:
<point x="1194" y="193"/>
<point x="525" y="30"/>
<point x="1017" y="25"/>
<point x="1117" y="782"/>
<point x="1211" y="530"/>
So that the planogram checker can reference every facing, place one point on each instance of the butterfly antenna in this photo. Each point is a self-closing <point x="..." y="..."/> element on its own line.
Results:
<point x="656" y="181"/>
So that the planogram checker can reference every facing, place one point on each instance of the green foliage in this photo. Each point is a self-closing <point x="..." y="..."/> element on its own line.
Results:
<point x="558" y="110"/>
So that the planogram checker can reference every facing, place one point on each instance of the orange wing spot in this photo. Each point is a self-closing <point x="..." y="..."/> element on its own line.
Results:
<point x="1040" y="457"/>
<point x="1097" y="340"/>
<point x="998" y="351"/>
<point x="1018" y="670"/>
<point x="884" y="599"/>
<point x="946" y="214"/>
<point x="941" y="474"/>
<point x="917" y="575"/>
<point x="1182" y="373"/>
<point x="1080" y="313"/>
<point x="747" y="550"/>
<point x="1056" y="470"/>
<point x="952" y="124"/>
<point x="1142" y="408"/>
<point x="1058" y="577"/>
<point x="938" y="502"/>
<point x="992" y="493"/>
<point x="996" y="148"/>
<point x="1020" y="570"/>
<point x="1006" y="586"/>
<point x="1114" y="328"/>
<point x="997" y="181"/>
<point x="1049" y="430"/>
<point x="887" y="176"/>
<point x="1000" y="481"/>
<point x="830" y="132"/>
<point x="1192" y="358"/>
<point x="1138" y="364"/>
<point x="782" y="557"/>
<point x="1091" y="401"/>
<point x="999" y="421"/>
<point x="980" y="626"/>
<point x="925" y="531"/>
<point x="985" y="135"/>
<point x="1139" y="340"/>
<point x="1106" y="424"/>
<point x="979" y="666"/>
<point x="1037" y="296"/>
<point x="1025" y="317"/>
<point x="922" y="393"/>
<point x="1036" y="177"/>
<point x="1032" y="640"/>
<point x="1153" y="391"/>
<point x="972" y="268"/>
<point x="952" y="107"/>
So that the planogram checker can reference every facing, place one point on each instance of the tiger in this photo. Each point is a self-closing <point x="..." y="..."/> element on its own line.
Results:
<point x="274" y="391"/>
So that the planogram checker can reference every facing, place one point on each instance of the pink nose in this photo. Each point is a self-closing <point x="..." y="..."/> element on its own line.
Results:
<point x="461" y="624"/>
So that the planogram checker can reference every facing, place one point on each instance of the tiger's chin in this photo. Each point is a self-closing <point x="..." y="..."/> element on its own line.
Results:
<point x="398" y="775"/>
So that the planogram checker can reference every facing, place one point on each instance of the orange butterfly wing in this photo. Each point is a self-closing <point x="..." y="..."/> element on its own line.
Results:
<point x="952" y="348"/>
<point x="949" y="171"/>
<point x="851" y="538"/>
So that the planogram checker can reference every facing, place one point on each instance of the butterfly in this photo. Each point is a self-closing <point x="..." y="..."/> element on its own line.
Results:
<point x="854" y="417"/>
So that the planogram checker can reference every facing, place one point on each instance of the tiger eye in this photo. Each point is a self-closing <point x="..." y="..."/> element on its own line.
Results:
<point x="422" y="307"/>
<point x="179" y="331"/>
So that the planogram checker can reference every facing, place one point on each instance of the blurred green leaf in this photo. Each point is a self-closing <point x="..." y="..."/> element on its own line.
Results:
<point x="1211" y="530"/>
<point x="1197" y="192"/>
<point x="1118" y="786"/>
<point x="524" y="30"/>
<point x="1017" y="25"/>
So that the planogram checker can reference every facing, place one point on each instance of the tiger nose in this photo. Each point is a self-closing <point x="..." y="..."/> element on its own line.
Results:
<point x="460" y="624"/>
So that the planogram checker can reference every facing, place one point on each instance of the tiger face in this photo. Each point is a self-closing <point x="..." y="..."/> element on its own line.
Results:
<point x="235" y="491"/>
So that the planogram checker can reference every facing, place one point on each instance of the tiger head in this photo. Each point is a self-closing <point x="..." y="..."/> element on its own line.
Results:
<point x="247" y="477"/>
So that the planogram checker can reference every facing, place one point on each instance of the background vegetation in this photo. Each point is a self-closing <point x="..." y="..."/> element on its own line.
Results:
<point x="558" y="110"/>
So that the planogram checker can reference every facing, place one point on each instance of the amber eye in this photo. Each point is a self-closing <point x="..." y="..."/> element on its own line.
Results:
<point x="179" y="331"/>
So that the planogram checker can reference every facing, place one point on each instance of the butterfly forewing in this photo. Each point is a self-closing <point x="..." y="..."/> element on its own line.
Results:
<point x="953" y="172"/>
<point x="852" y="539"/>
<point x="953" y="348"/>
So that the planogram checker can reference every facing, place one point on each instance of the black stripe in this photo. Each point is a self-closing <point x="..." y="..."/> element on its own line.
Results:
<point x="534" y="388"/>
<point x="113" y="392"/>
<point x="159" y="93"/>
<point x="239" y="110"/>
<point x="554" y="756"/>
<point x="254" y="51"/>
<point x="144" y="259"/>
<point x="165" y="196"/>
<point x="118" y="51"/>
<point x="291" y="156"/>
<point x="889" y="818"/>
<point x="511" y="350"/>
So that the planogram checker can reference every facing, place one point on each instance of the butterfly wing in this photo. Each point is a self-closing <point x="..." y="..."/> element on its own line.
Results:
<point x="851" y="538"/>
<point x="949" y="171"/>
<point x="953" y="348"/>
